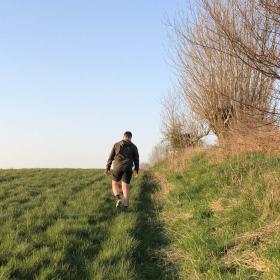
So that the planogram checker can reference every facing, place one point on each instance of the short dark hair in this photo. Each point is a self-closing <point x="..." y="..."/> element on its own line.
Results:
<point x="128" y="134"/>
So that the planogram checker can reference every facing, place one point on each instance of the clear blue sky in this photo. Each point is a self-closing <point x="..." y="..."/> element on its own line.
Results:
<point x="76" y="74"/>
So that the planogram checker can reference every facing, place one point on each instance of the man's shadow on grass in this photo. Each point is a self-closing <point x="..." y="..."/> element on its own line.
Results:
<point x="149" y="232"/>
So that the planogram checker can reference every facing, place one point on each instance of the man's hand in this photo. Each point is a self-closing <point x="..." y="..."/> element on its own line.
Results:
<point x="136" y="173"/>
<point x="107" y="172"/>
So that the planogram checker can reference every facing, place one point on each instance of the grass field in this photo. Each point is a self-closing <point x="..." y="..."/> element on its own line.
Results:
<point x="223" y="218"/>
<point x="62" y="224"/>
<point x="219" y="220"/>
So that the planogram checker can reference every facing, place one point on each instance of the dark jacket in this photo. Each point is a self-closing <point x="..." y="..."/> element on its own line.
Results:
<point x="124" y="154"/>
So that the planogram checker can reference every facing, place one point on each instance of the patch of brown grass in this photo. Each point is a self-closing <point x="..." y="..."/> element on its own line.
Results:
<point x="178" y="217"/>
<point x="251" y="135"/>
<point x="263" y="234"/>
<point x="222" y="204"/>
<point x="242" y="254"/>
<point x="248" y="259"/>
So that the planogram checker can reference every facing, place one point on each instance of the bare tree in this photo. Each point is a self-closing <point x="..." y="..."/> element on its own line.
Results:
<point x="180" y="126"/>
<point x="221" y="85"/>
<point x="252" y="28"/>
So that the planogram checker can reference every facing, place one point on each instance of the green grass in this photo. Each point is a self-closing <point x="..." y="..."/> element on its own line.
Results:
<point x="218" y="221"/>
<point x="62" y="224"/>
<point x="222" y="218"/>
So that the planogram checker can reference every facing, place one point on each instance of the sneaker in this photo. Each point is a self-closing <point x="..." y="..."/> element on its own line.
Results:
<point x="118" y="203"/>
<point x="125" y="208"/>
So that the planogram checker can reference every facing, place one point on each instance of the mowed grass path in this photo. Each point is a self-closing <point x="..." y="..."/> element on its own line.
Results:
<point x="62" y="224"/>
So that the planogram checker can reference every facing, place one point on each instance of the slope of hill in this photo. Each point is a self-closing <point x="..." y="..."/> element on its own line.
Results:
<point x="222" y="218"/>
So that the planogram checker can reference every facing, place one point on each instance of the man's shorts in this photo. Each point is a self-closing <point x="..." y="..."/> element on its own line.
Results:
<point x="125" y="176"/>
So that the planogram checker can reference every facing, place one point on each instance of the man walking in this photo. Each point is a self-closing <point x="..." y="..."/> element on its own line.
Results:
<point x="125" y="155"/>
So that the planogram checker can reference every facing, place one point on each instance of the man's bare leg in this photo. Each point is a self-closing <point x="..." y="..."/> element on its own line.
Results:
<point x="125" y="190"/>
<point x="115" y="188"/>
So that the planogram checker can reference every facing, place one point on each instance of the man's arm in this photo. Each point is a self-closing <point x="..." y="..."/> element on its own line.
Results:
<point x="111" y="159"/>
<point x="136" y="160"/>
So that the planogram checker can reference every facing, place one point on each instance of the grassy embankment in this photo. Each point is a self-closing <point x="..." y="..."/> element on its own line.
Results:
<point x="62" y="224"/>
<point x="223" y="218"/>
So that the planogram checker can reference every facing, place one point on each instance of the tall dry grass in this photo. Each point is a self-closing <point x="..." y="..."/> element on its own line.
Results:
<point x="251" y="135"/>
